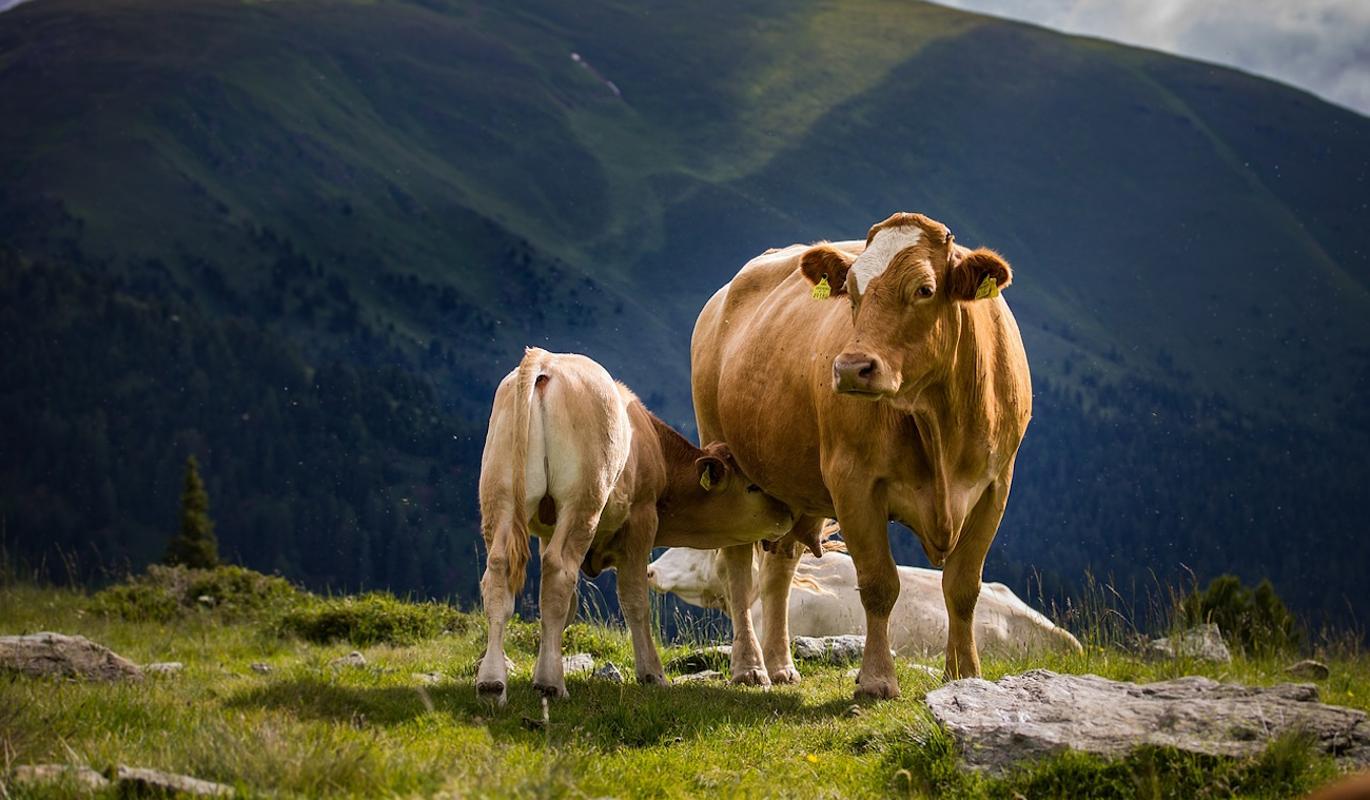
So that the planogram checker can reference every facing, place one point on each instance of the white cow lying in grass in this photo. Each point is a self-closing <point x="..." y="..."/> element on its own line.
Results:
<point x="824" y="602"/>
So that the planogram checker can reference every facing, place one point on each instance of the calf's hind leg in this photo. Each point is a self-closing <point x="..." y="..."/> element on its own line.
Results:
<point x="497" y="593"/>
<point x="562" y="555"/>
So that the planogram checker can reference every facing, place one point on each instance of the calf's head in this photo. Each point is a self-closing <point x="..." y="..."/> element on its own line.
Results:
<point x="906" y="291"/>
<point x="719" y="500"/>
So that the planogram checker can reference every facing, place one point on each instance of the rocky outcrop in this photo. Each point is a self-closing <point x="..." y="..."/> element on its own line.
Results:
<point x="139" y="782"/>
<point x="580" y="662"/>
<point x="1040" y="713"/>
<point x="829" y="649"/>
<point x="59" y="655"/>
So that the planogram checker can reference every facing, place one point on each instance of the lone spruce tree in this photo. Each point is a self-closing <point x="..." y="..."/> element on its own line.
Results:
<point x="195" y="545"/>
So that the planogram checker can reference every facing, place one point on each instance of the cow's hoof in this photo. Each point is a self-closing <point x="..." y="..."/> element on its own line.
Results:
<point x="551" y="691"/>
<point x="653" y="679"/>
<point x="877" y="690"/>
<point x="492" y="690"/>
<point x="785" y="675"/>
<point x="751" y="677"/>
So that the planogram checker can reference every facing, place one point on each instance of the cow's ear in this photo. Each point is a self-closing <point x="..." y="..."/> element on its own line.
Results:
<point x="978" y="273"/>
<point x="825" y="262"/>
<point x="713" y="467"/>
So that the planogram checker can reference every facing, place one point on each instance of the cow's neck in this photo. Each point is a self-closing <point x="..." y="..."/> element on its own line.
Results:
<point x="678" y="455"/>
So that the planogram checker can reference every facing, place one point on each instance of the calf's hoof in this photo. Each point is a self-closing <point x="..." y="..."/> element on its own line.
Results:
<point x="492" y="690"/>
<point x="876" y="690"/>
<point x="751" y="677"/>
<point x="551" y="691"/>
<point x="785" y="675"/>
<point x="653" y="679"/>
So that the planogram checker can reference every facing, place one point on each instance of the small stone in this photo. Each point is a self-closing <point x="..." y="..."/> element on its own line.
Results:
<point x="205" y="600"/>
<point x="57" y="655"/>
<point x="574" y="664"/>
<point x="428" y="678"/>
<point x="931" y="672"/>
<point x="854" y="710"/>
<point x="832" y="649"/>
<point x="705" y="675"/>
<point x="139" y="781"/>
<point x="854" y="673"/>
<point x="164" y="667"/>
<point x="1309" y="669"/>
<point x="70" y="774"/>
<point x="609" y="672"/>
<point x="1202" y="642"/>
<point x="705" y="658"/>
<point x="260" y="668"/>
<point x="352" y="659"/>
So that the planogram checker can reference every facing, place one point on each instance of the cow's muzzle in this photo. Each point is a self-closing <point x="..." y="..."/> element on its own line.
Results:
<point x="858" y="374"/>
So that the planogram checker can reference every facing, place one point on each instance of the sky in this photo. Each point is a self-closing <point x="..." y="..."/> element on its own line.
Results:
<point x="1322" y="46"/>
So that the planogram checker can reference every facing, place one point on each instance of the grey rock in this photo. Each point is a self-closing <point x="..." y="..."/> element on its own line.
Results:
<point x="609" y="672"/>
<point x="574" y="664"/>
<point x="704" y="675"/>
<point x="55" y="654"/>
<point x="1310" y="669"/>
<point x="854" y="673"/>
<point x="931" y="672"/>
<point x="428" y="678"/>
<point x="137" y="781"/>
<point x="1202" y="642"/>
<point x="352" y="659"/>
<point x="205" y="600"/>
<point x="832" y="649"/>
<point x="260" y="668"/>
<point x="164" y="667"/>
<point x="67" y="774"/>
<point x="1040" y="713"/>
<point x="704" y="658"/>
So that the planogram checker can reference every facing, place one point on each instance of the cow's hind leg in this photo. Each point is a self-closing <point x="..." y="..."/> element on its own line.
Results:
<point x="562" y="555"/>
<point x="638" y="536"/>
<point x="777" y="576"/>
<point x="748" y="667"/>
<point x="497" y="593"/>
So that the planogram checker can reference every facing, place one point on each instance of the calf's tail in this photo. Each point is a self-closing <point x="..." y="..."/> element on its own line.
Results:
<point x="525" y="383"/>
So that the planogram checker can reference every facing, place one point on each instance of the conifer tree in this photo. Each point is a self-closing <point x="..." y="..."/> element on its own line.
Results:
<point x="195" y="545"/>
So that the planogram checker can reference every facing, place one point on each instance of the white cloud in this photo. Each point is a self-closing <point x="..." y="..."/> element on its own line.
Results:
<point x="1319" y="45"/>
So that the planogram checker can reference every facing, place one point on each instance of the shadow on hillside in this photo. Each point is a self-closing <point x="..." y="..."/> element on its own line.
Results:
<point x="599" y="713"/>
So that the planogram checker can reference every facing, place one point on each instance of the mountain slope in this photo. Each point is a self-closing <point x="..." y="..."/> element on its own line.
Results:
<point x="429" y="186"/>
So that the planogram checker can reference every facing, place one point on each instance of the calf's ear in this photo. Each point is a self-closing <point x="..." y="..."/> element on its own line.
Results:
<point x="825" y="262"/>
<point x="713" y="468"/>
<point x="978" y="273"/>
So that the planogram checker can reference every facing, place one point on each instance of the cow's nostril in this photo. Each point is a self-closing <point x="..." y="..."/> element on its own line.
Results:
<point x="651" y="574"/>
<point x="866" y="371"/>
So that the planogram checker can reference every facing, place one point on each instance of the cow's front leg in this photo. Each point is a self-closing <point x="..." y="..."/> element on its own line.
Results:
<point x="777" y="576"/>
<point x="637" y="538"/>
<point x="961" y="579"/>
<point x="748" y="667"/>
<point x="562" y="555"/>
<point x="865" y="530"/>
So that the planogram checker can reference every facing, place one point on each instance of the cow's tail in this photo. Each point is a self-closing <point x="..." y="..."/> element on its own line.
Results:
<point x="525" y="383"/>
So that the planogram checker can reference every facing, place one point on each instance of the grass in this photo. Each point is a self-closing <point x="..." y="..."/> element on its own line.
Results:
<point x="307" y="728"/>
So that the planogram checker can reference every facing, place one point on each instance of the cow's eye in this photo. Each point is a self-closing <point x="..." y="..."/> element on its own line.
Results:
<point x="924" y="292"/>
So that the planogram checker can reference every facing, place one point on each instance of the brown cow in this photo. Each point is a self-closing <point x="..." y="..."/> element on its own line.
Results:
<point x="576" y="459"/>
<point x="906" y="402"/>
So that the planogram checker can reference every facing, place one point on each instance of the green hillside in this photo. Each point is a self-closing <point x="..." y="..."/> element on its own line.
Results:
<point x="416" y="190"/>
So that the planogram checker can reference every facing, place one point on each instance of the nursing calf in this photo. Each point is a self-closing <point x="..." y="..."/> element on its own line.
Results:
<point x="574" y="458"/>
<point x="825" y="601"/>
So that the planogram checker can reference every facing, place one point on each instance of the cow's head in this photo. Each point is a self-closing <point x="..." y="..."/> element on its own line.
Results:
<point x="695" y="576"/>
<point x="906" y="290"/>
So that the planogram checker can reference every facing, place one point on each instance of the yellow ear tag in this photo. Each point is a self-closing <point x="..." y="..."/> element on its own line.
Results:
<point x="705" y="480"/>
<point x="989" y="287"/>
<point x="821" y="290"/>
